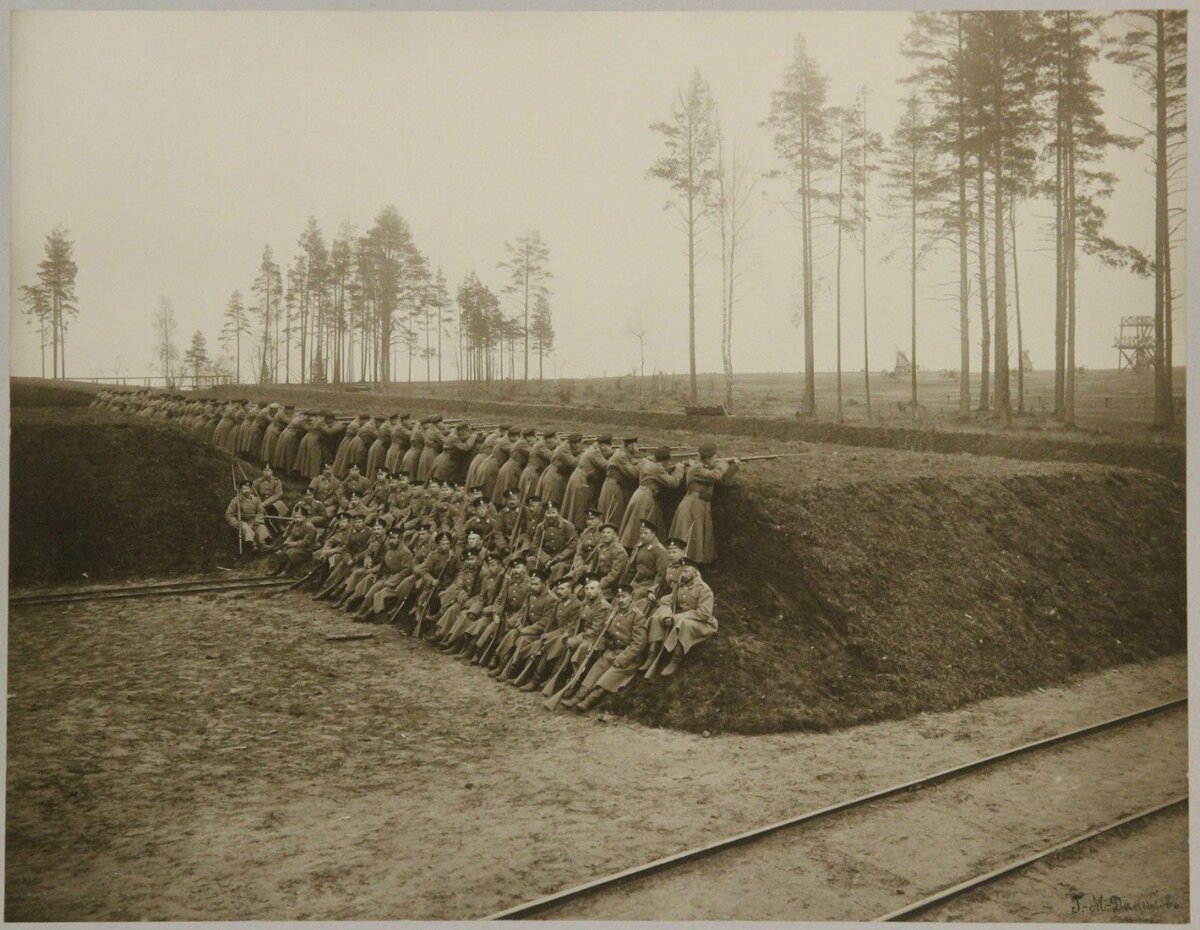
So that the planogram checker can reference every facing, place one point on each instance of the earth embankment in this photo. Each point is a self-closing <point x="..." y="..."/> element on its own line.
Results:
<point x="853" y="584"/>
<point x="99" y="495"/>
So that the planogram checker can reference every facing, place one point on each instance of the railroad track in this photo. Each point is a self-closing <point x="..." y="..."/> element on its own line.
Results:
<point x="161" y="589"/>
<point x="628" y="878"/>
<point x="917" y="908"/>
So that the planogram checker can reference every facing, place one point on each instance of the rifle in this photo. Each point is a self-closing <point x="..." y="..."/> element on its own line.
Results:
<point x="490" y="649"/>
<point x="548" y="689"/>
<point x="423" y="609"/>
<point x="520" y="623"/>
<point x="237" y="496"/>
<point x="755" y="458"/>
<point x="553" y="700"/>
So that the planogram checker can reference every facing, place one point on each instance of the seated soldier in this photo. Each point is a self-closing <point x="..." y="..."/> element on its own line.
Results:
<point x="552" y="650"/>
<point x="247" y="515"/>
<point x="687" y="617"/>
<point x="623" y="644"/>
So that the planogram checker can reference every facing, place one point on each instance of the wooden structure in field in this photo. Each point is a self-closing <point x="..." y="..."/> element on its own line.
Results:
<point x="1135" y="344"/>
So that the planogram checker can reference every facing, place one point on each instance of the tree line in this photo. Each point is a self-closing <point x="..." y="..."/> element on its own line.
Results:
<point x="370" y="308"/>
<point x="1002" y="109"/>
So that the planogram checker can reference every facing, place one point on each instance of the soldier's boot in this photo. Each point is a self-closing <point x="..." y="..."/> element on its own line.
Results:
<point x="571" y="700"/>
<point x="539" y="673"/>
<point x="651" y="655"/>
<point x="673" y="666"/>
<point x="593" y="697"/>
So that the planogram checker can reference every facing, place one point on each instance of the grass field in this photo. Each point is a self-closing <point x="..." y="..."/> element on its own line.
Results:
<point x="1107" y="402"/>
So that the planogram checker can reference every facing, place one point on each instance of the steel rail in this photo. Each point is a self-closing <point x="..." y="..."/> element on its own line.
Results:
<point x="947" y="894"/>
<point x="166" y="589"/>
<point x="635" y="873"/>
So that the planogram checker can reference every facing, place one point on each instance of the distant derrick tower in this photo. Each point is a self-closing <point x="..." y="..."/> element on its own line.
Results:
<point x="1135" y="344"/>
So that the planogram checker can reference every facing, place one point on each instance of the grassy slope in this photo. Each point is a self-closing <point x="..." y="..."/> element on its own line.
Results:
<point x="853" y="583"/>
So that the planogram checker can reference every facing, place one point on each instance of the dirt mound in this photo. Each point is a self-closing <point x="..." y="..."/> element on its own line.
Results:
<point x="842" y="600"/>
<point x="110" y="496"/>
<point x="34" y="392"/>
<point x="1167" y="458"/>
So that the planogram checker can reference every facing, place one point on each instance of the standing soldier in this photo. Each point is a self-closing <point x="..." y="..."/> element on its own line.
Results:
<point x="401" y="433"/>
<point x="451" y="465"/>
<point x="653" y="477"/>
<point x="377" y="454"/>
<point x="540" y="452"/>
<point x="553" y="484"/>
<point x="434" y="441"/>
<point x="287" y="448"/>
<point x="620" y="481"/>
<point x="584" y="482"/>
<point x="509" y="475"/>
<point x="693" y="518"/>
<point x="412" y="455"/>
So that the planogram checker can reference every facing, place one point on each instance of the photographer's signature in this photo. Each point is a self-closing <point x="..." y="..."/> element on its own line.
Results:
<point x="1083" y="903"/>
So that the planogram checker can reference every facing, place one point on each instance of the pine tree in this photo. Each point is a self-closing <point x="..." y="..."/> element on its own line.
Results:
<point x="52" y="300"/>
<point x="690" y="136"/>
<point x="268" y="287"/>
<point x="196" y="357"/>
<point x="802" y="125"/>
<point x="1154" y="44"/>
<point x="526" y="264"/>
<point x="236" y="323"/>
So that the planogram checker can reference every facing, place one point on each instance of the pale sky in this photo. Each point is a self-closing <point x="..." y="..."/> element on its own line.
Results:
<point x="173" y="145"/>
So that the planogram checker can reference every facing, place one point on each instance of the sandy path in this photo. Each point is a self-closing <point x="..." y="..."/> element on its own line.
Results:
<point x="1136" y="875"/>
<point x="215" y="758"/>
<point x="868" y="861"/>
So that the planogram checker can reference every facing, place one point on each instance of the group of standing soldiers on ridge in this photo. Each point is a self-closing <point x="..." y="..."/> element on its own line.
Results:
<point x="537" y="555"/>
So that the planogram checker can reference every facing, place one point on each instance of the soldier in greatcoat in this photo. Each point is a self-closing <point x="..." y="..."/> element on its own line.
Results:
<point x="653" y="478"/>
<point x="620" y="481"/>
<point x="623" y="644"/>
<point x="686" y="616"/>
<point x="584" y="483"/>
<point x="693" y="518"/>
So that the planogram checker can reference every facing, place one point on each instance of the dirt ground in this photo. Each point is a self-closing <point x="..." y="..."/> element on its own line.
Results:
<point x="215" y="758"/>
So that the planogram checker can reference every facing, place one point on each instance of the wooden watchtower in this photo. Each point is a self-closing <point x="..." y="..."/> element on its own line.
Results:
<point x="1135" y="344"/>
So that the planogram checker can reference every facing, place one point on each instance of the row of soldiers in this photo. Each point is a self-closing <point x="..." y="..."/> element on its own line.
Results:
<point x="515" y="588"/>
<point x="574" y="473"/>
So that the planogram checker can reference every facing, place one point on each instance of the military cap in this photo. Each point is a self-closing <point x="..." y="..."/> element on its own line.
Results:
<point x="533" y="499"/>
<point x="549" y="433"/>
<point x="443" y="536"/>
<point x="707" y="449"/>
<point x="475" y="489"/>
<point x="425" y="525"/>
<point x="604" y="439"/>
<point x="593" y="512"/>
<point x="512" y="493"/>
<point x="540" y="573"/>
<point x="491" y="556"/>
<point x="610" y="526"/>
<point x="676" y="543"/>
<point x="649" y="525"/>
<point x="691" y="563"/>
<point x="588" y="578"/>
<point x="628" y="439"/>
<point x="575" y="437"/>
<point x="662" y="453"/>
<point x="246" y="484"/>
<point x="514" y="431"/>
<point x="623" y="588"/>
<point x="529" y="432"/>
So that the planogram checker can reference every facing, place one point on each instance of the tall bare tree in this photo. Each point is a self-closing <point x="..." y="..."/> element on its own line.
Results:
<point x="688" y="167"/>
<point x="528" y="274"/>
<point x="802" y="125"/>
<point x="236" y="323"/>
<point x="1154" y="44"/>
<point x="732" y="192"/>
<point x="165" y="350"/>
